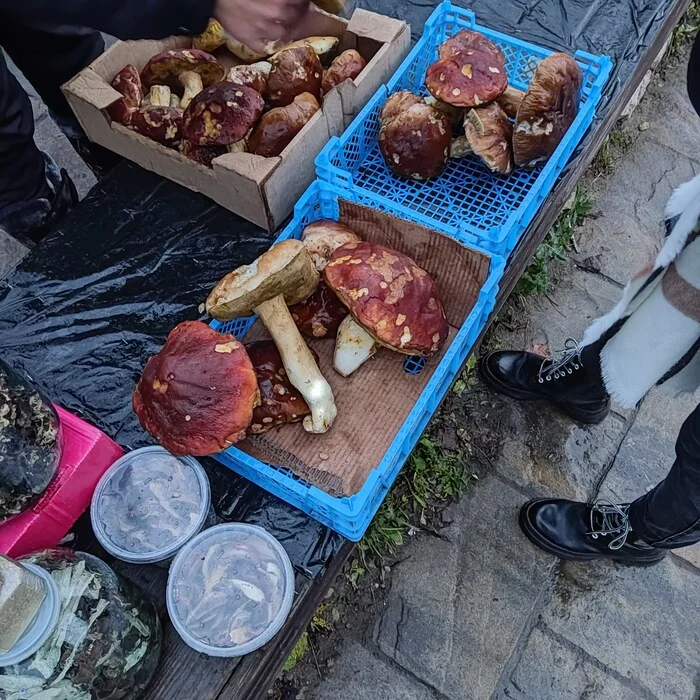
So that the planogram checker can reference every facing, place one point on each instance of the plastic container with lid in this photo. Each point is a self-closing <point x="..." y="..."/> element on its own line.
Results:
<point x="230" y="590"/>
<point x="95" y="635"/>
<point x="149" y="504"/>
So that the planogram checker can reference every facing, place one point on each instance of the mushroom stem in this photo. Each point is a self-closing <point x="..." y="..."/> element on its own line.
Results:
<point x="159" y="96"/>
<point x="460" y="147"/>
<point x="510" y="101"/>
<point x="353" y="347"/>
<point x="193" y="84"/>
<point x="302" y="370"/>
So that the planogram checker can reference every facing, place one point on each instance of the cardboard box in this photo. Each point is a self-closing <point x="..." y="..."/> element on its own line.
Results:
<point x="262" y="190"/>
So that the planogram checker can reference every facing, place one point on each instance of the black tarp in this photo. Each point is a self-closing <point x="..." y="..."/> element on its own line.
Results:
<point x="83" y="312"/>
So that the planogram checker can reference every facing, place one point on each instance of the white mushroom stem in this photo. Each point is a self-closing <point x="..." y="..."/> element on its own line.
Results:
<point x="302" y="370"/>
<point x="510" y="101"/>
<point x="353" y="347"/>
<point x="240" y="146"/>
<point x="174" y="101"/>
<point x="192" y="82"/>
<point x="159" y="96"/>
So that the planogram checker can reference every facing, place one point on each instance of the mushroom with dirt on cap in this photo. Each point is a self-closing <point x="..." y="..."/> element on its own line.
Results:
<point x="253" y="76"/>
<point x="347" y="66"/>
<point x="128" y="83"/>
<point x="471" y="71"/>
<point x="283" y="275"/>
<point x="294" y="71"/>
<point x="196" y="396"/>
<point x="160" y="124"/>
<point x="414" y="137"/>
<point x="166" y="68"/>
<point x="392" y="301"/>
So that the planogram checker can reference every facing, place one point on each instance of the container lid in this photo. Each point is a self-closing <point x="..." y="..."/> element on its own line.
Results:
<point x="230" y="590"/>
<point x="42" y="625"/>
<point x="148" y="504"/>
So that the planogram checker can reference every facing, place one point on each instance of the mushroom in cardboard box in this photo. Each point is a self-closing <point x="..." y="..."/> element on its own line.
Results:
<point x="167" y="68"/>
<point x="253" y="76"/>
<point x="392" y="302"/>
<point x="197" y="395"/>
<point x="347" y="66"/>
<point x="283" y="275"/>
<point x="128" y="83"/>
<point x="294" y="71"/>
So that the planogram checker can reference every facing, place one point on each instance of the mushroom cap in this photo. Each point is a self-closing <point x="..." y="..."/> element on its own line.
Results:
<point x="211" y="38"/>
<point x="161" y="124"/>
<point x="392" y="298"/>
<point x="280" y="402"/>
<point x="196" y="396"/>
<point x="204" y="155"/>
<point x="320" y="315"/>
<point x="128" y="83"/>
<point x="398" y="103"/>
<point x="294" y="71"/>
<point x="347" y="66"/>
<point x="245" y="53"/>
<point x="416" y="143"/>
<point x="324" y="46"/>
<point x="254" y="76"/>
<point x="490" y="135"/>
<point x="547" y="110"/>
<point x="278" y="127"/>
<point x="471" y="73"/>
<point x="322" y="238"/>
<point x="222" y="114"/>
<point x="165" y="68"/>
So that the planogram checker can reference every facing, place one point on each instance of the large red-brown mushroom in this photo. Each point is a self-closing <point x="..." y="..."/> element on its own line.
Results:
<point x="128" y="83"/>
<point x="204" y="155"/>
<point x="471" y="71"/>
<point x="347" y="66"/>
<point x="253" y="76"/>
<point x="280" y="125"/>
<point x="166" y="67"/>
<point x="280" y="402"/>
<point x="390" y="298"/>
<point x="294" y="71"/>
<point x="197" y="395"/>
<point x="160" y="124"/>
<point x="415" y="142"/>
<point x="323" y="46"/>
<point x="221" y="114"/>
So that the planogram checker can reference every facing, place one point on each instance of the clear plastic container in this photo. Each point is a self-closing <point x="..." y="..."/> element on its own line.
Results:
<point x="230" y="590"/>
<point x="149" y="504"/>
<point x="95" y="638"/>
<point x="30" y="443"/>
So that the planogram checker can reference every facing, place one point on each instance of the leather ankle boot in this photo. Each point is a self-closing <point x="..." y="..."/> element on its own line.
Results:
<point x="573" y="383"/>
<point x="580" y="532"/>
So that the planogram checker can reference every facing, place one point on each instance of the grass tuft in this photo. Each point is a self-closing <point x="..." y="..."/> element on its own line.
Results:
<point x="298" y="653"/>
<point x="556" y="245"/>
<point x="687" y="29"/>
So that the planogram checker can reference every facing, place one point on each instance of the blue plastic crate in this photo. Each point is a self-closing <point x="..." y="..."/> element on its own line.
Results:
<point x="350" y="516"/>
<point x="467" y="201"/>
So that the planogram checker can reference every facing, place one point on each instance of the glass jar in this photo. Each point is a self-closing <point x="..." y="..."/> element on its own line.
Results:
<point x="30" y="443"/>
<point x="104" y="642"/>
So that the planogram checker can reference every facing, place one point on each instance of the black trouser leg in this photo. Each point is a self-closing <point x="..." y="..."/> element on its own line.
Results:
<point x="669" y="516"/>
<point x="694" y="76"/>
<point x="22" y="176"/>
<point x="50" y="56"/>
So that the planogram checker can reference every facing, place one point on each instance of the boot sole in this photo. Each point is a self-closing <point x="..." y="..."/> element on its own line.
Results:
<point x="578" y="414"/>
<point x="536" y="538"/>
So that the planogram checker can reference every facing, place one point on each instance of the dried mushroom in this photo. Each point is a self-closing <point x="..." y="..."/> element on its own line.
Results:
<point x="196" y="396"/>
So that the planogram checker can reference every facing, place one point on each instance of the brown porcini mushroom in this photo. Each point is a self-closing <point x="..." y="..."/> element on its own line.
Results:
<point x="254" y="76"/>
<point x="488" y="134"/>
<point x="347" y="66"/>
<point x="390" y="297"/>
<point x="320" y="315"/>
<point x="454" y="114"/>
<point x="211" y="38"/>
<point x="415" y="143"/>
<point x="284" y="275"/>
<point x="322" y="238"/>
<point x="197" y="395"/>
<point x="548" y="109"/>
<point x="280" y="125"/>
<point x="128" y="83"/>
<point x="204" y="155"/>
<point x="240" y="50"/>
<point x="280" y="402"/>
<point x="160" y="124"/>
<point x="324" y="46"/>
<point x="221" y="114"/>
<point x="510" y="100"/>
<point x="472" y="71"/>
<point x="294" y="71"/>
<point x="398" y="103"/>
<point x="166" y="67"/>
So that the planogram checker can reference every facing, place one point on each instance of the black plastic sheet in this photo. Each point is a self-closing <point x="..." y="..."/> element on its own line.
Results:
<point x="85" y="310"/>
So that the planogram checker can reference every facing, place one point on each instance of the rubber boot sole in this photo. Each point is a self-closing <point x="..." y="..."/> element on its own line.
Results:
<point x="582" y="415"/>
<point x="628" y="560"/>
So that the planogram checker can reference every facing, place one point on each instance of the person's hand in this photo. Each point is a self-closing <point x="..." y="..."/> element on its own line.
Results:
<point x="256" y="23"/>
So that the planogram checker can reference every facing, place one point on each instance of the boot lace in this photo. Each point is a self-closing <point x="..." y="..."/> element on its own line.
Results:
<point x="568" y="363"/>
<point x="610" y="520"/>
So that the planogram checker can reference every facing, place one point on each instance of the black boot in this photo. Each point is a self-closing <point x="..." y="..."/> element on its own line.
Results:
<point x="580" y="532"/>
<point x="573" y="383"/>
<point x="30" y="221"/>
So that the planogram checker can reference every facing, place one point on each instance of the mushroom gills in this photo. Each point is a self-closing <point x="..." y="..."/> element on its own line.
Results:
<point x="353" y="347"/>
